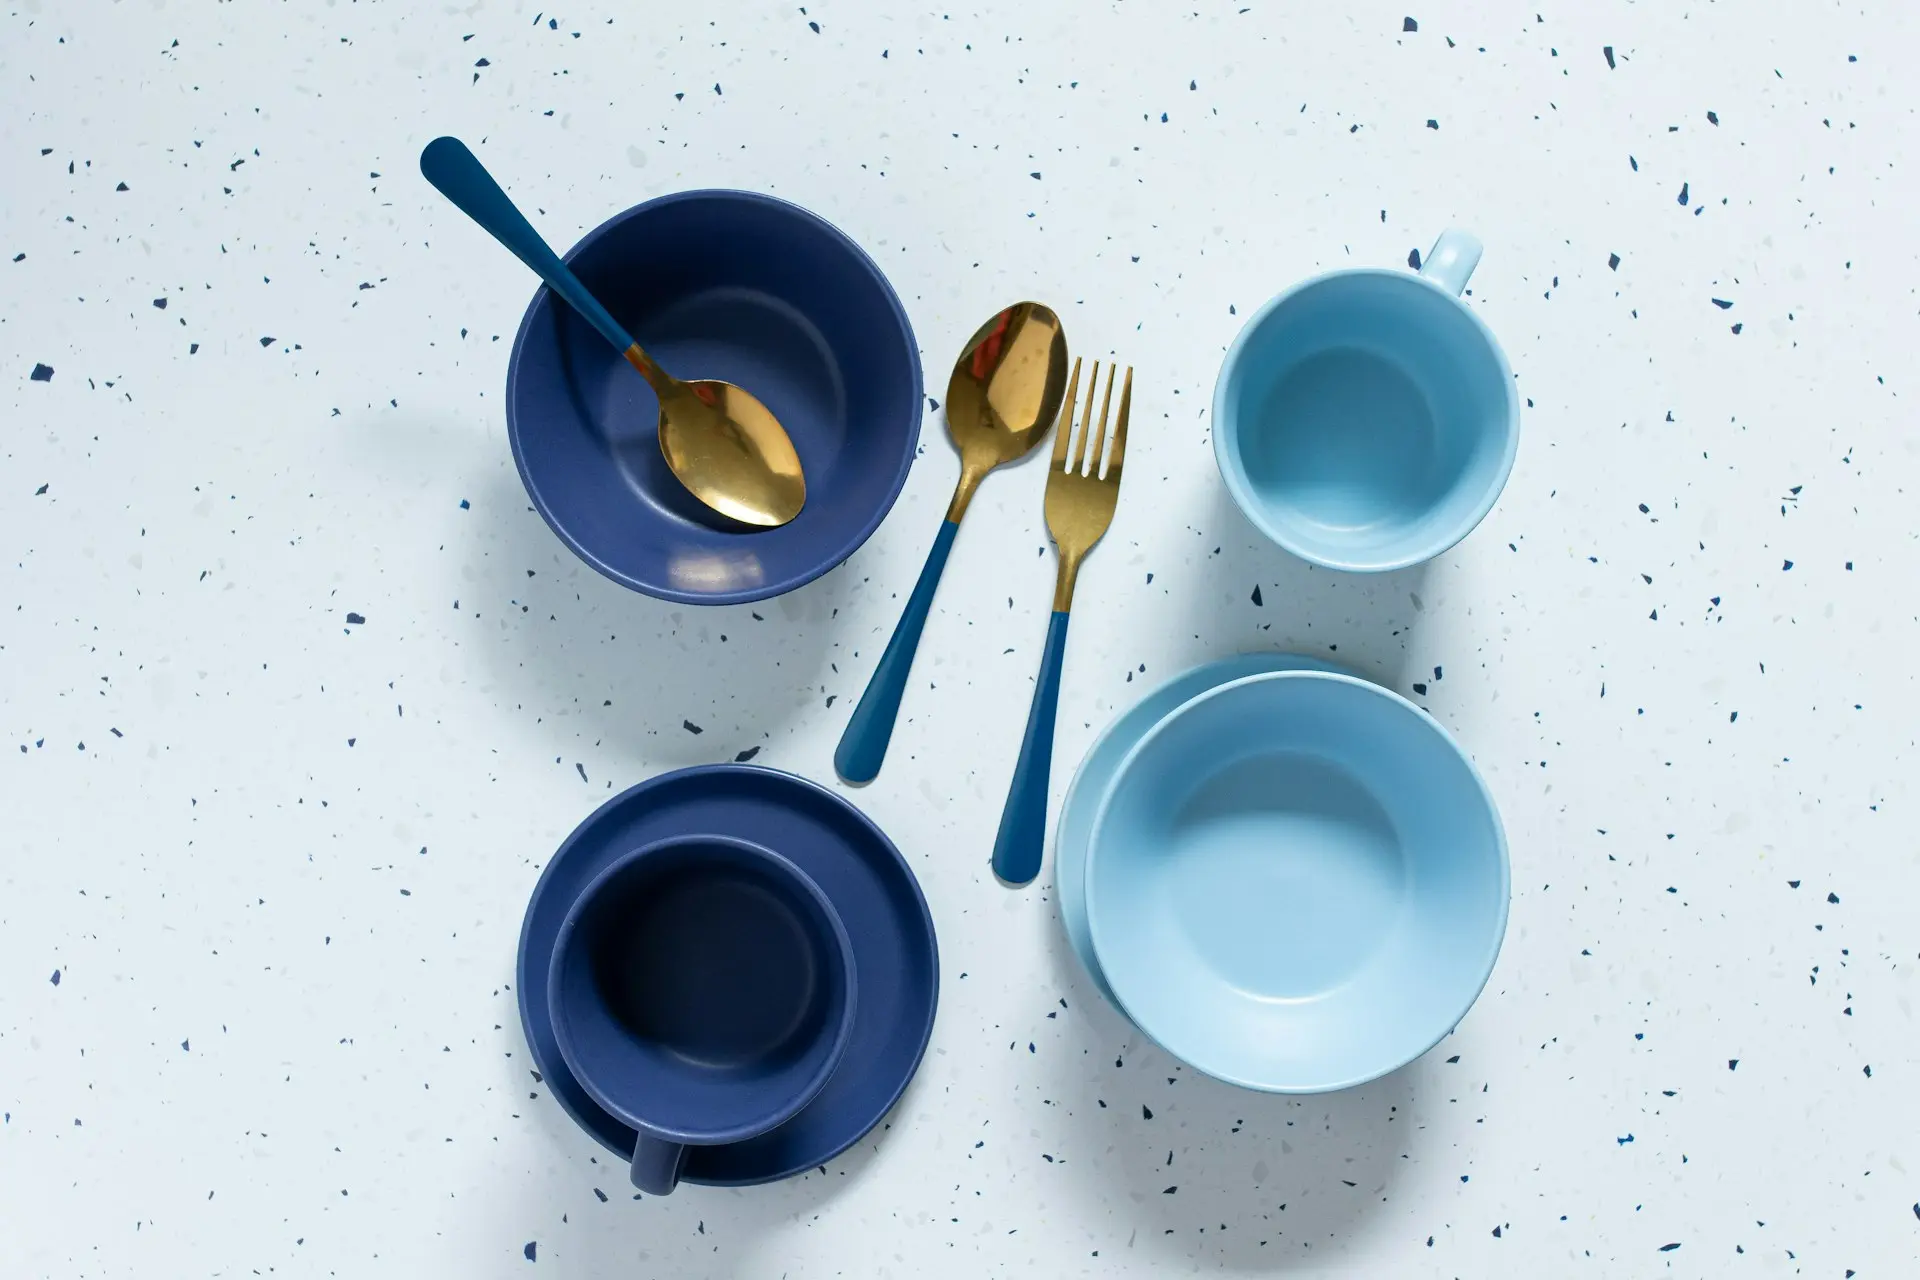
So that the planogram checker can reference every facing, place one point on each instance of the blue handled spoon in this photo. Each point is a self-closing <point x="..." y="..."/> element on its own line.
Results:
<point x="1003" y="397"/>
<point x="722" y="444"/>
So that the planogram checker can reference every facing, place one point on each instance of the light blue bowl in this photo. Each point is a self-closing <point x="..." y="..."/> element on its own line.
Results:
<point x="1297" y="882"/>
<point x="1366" y="420"/>
<point x="1097" y="767"/>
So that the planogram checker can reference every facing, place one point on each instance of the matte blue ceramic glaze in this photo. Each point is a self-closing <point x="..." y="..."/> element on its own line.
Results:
<point x="1367" y="420"/>
<point x="861" y="874"/>
<point x="702" y="990"/>
<point x="1090" y="781"/>
<point x="1297" y="882"/>
<point x="750" y="290"/>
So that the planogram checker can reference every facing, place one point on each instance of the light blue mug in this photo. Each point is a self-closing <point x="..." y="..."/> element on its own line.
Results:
<point x="1366" y="420"/>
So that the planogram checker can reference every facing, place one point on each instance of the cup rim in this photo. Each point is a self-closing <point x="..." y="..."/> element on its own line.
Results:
<point x="823" y="564"/>
<point x="1233" y="473"/>
<point x="1498" y="934"/>
<point x="842" y="1036"/>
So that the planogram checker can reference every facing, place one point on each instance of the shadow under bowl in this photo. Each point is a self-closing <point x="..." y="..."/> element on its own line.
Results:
<point x="1297" y="882"/>
<point x="743" y="288"/>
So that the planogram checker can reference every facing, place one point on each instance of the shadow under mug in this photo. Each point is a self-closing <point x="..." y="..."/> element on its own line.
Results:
<point x="703" y="992"/>
<point x="1367" y="419"/>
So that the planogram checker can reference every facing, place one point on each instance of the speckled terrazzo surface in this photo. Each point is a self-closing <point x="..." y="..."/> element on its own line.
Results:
<point x="298" y="694"/>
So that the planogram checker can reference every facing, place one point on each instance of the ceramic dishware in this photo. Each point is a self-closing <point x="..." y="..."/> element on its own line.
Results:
<point x="718" y="440"/>
<point x="1367" y="419"/>
<point x="861" y="874"/>
<point x="743" y="287"/>
<point x="1002" y="398"/>
<point x="1083" y="487"/>
<point x="1082" y="805"/>
<point x="1297" y="882"/>
<point x="702" y="989"/>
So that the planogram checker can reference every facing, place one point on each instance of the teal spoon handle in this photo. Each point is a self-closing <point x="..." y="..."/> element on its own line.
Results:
<point x="864" y="744"/>
<point x="1023" y="823"/>
<point x="461" y="178"/>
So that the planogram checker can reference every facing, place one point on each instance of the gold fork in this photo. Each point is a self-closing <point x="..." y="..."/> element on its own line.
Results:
<point x="1080" y="499"/>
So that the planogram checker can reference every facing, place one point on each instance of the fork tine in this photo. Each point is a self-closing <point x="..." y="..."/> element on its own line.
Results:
<point x="1100" y="441"/>
<point x="1086" y="420"/>
<point x="1117" y="447"/>
<point x="1065" y="429"/>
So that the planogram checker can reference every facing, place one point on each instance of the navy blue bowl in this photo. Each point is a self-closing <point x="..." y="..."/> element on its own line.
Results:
<point x="751" y="290"/>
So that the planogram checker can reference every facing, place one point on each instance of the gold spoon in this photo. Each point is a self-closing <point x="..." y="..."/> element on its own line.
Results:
<point x="721" y="443"/>
<point x="1004" y="394"/>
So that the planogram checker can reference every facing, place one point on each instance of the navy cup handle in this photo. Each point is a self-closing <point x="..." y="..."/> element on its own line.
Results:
<point x="656" y="1165"/>
<point x="864" y="744"/>
<point x="1023" y="823"/>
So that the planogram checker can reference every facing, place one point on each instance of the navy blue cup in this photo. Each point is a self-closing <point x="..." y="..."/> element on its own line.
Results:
<point x="751" y="290"/>
<point x="702" y="991"/>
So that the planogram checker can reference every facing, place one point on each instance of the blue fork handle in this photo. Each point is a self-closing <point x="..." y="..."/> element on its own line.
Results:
<point x="461" y="178"/>
<point x="864" y="744"/>
<point x="1023" y="823"/>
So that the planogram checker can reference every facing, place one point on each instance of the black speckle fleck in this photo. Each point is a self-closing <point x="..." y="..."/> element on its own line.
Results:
<point x="741" y="757"/>
<point x="691" y="727"/>
<point x="266" y="342"/>
<point x="1257" y="603"/>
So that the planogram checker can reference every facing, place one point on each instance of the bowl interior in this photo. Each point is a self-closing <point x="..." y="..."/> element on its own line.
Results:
<point x="1297" y="882"/>
<point x="749" y="290"/>
<point x="1367" y="420"/>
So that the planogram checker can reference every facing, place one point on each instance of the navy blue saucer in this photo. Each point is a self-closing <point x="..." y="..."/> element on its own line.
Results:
<point x="861" y="873"/>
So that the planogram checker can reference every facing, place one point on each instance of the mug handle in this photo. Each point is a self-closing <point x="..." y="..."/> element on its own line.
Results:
<point x="656" y="1165"/>
<point x="1452" y="260"/>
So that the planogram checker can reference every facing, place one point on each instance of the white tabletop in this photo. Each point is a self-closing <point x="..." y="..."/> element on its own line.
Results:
<point x="266" y="863"/>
